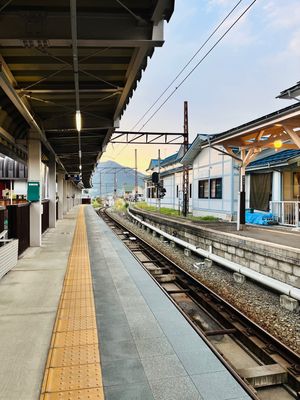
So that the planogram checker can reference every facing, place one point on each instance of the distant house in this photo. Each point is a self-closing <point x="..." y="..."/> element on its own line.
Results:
<point x="274" y="184"/>
<point x="215" y="180"/>
<point x="268" y="149"/>
<point x="273" y="178"/>
<point x="171" y="173"/>
<point x="272" y="175"/>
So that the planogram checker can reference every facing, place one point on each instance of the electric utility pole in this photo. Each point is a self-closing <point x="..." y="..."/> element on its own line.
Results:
<point x="242" y="197"/>
<point x="185" y="188"/>
<point x="115" y="184"/>
<point x="158" y="184"/>
<point x="135" y="176"/>
<point x="100" y="183"/>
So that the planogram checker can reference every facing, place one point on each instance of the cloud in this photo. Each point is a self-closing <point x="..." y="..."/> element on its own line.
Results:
<point x="282" y="14"/>
<point x="294" y="45"/>
<point x="242" y="34"/>
<point x="223" y="3"/>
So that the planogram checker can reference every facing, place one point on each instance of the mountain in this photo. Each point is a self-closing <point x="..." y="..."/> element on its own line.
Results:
<point x="110" y="173"/>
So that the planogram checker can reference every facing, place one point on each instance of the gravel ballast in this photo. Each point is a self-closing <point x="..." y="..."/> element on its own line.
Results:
<point x="258" y="303"/>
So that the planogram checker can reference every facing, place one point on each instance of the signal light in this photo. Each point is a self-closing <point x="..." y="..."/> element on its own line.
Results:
<point x="155" y="177"/>
<point x="162" y="192"/>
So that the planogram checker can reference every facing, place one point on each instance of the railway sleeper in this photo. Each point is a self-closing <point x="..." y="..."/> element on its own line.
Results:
<point x="166" y="278"/>
<point x="157" y="271"/>
<point x="264" y="375"/>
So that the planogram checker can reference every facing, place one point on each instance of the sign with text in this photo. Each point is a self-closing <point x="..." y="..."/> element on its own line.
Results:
<point x="33" y="191"/>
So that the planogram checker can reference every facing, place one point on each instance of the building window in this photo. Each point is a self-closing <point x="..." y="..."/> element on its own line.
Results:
<point x="190" y="190"/>
<point x="203" y="189"/>
<point x="151" y="191"/>
<point x="216" y="188"/>
<point x="211" y="189"/>
<point x="177" y="191"/>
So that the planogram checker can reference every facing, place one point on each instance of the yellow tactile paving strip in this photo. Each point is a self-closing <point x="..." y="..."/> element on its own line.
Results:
<point x="73" y="368"/>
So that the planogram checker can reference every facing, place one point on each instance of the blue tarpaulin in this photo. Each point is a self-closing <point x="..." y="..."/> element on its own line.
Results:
<point x="260" y="218"/>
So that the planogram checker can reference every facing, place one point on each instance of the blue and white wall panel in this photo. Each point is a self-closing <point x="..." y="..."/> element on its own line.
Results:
<point x="210" y="164"/>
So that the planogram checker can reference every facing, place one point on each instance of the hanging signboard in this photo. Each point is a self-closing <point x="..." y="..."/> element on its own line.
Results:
<point x="33" y="191"/>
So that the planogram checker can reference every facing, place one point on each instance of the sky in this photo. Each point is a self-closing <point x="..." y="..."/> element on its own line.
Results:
<point x="236" y="83"/>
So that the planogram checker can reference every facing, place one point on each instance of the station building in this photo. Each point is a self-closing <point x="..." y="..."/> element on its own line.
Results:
<point x="272" y="175"/>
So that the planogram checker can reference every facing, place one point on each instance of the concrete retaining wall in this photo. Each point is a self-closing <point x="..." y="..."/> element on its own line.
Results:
<point x="278" y="262"/>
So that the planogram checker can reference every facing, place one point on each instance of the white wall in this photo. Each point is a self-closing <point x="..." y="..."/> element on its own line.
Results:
<point x="20" y="188"/>
<point x="210" y="164"/>
<point x="247" y="189"/>
<point x="276" y="186"/>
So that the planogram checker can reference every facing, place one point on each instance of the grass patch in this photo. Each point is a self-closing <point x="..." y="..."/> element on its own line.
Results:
<point x="172" y="212"/>
<point x="120" y="205"/>
<point x="209" y="218"/>
<point x="97" y="202"/>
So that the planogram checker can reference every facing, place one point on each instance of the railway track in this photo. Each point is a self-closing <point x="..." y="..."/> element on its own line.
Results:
<point x="265" y="367"/>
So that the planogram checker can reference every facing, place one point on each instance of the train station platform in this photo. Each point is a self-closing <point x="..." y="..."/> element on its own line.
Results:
<point x="81" y="319"/>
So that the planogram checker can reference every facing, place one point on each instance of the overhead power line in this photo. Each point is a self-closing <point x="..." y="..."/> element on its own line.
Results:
<point x="188" y="63"/>
<point x="197" y="65"/>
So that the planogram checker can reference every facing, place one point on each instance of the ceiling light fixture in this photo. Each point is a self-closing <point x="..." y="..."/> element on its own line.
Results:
<point x="78" y="120"/>
<point x="277" y="144"/>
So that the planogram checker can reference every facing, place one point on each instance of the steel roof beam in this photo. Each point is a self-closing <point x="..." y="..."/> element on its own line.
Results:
<point x="162" y="10"/>
<point x="20" y="106"/>
<point x="67" y="91"/>
<point x="48" y="26"/>
<point x="62" y="122"/>
<point x="19" y="42"/>
<point x="9" y="90"/>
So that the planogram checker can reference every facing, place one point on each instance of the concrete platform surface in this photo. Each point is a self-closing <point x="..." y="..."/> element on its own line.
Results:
<point x="148" y="350"/>
<point x="29" y="296"/>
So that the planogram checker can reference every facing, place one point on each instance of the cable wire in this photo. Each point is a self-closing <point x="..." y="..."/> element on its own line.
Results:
<point x="194" y="68"/>
<point x="189" y="62"/>
<point x="197" y="65"/>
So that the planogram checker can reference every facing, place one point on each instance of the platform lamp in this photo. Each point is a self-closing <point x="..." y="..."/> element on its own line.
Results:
<point x="277" y="144"/>
<point x="78" y="127"/>
<point x="78" y="120"/>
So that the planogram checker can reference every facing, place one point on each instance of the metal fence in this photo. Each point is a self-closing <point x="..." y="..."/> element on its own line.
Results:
<point x="286" y="212"/>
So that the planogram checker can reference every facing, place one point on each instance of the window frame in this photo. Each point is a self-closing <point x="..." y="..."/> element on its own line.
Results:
<point x="212" y="183"/>
<point x="201" y="194"/>
<point x="218" y="188"/>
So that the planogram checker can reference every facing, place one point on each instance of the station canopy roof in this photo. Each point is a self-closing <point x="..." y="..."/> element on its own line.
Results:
<point x="113" y="40"/>
<point x="280" y="128"/>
